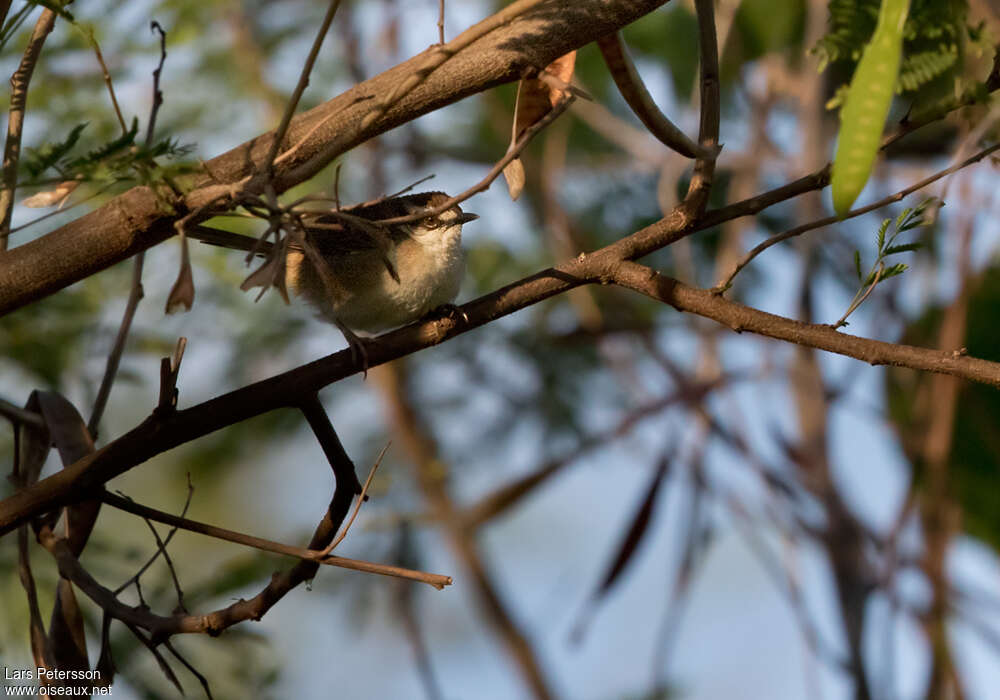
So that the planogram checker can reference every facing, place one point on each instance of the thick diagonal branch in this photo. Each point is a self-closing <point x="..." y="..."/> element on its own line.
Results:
<point x="136" y="220"/>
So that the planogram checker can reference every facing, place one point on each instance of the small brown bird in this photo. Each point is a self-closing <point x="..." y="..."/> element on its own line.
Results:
<point x="374" y="282"/>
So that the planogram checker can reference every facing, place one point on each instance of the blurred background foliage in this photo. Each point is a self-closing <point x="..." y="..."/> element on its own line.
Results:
<point x="527" y="389"/>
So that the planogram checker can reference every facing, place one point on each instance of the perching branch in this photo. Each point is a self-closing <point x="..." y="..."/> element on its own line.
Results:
<point x="159" y="433"/>
<point x="526" y="37"/>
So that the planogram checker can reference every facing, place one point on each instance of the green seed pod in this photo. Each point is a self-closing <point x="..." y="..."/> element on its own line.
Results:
<point x="863" y="115"/>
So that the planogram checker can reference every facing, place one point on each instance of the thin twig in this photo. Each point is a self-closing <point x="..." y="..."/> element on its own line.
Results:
<point x="859" y="300"/>
<point x="725" y="284"/>
<point x="154" y="26"/>
<point x="106" y="74"/>
<point x="161" y="547"/>
<point x="300" y="87"/>
<point x="357" y="505"/>
<point x="213" y="622"/>
<point x="439" y="55"/>
<point x="740" y="318"/>
<point x="4" y="9"/>
<point x="15" y="414"/>
<point x="170" y="535"/>
<point x="115" y="356"/>
<point x="153" y="648"/>
<point x="494" y="172"/>
<point x="633" y="90"/>
<point x="438" y="581"/>
<point x="136" y="294"/>
<point x="15" y="122"/>
<point x="441" y="22"/>
<point x="190" y="667"/>
<point x="710" y="111"/>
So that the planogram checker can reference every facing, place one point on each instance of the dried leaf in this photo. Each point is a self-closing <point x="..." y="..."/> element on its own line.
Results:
<point x="182" y="293"/>
<point x="67" y="429"/>
<point x="34" y="447"/>
<point x="160" y="661"/>
<point x="67" y="637"/>
<point x="535" y="98"/>
<point x="270" y="274"/>
<point x="69" y="434"/>
<point x="628" y="547"/>
<point x="562" y="68"/>
<point x="514" y="175"/>
<point x="636" y="531"/>
<point x="105" y="667"/>
<point x="57" y="196"/>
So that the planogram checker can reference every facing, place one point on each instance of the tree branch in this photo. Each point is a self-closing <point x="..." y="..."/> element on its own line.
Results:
<point x="136" y="220"/>
<point x="741" y="318"/>
<point x="724" y="284"/>
<point x="15" y="122"/>
<point x="632" y="89"/>
<point x="159" y="432"/>
<point x="437" y="580"/>
<point x="212" y="623"/>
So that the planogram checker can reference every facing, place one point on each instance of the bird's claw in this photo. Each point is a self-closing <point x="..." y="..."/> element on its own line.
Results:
<point x="359" y="353"/>
<point x="450" y="311"/>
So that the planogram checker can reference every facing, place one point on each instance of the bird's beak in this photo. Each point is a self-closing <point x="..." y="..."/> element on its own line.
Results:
<point x="465" y="217"/>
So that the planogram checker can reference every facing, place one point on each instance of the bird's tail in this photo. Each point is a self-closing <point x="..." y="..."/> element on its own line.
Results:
<point x="228" y="239"/>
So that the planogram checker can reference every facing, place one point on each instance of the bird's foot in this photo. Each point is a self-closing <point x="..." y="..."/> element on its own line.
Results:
<point x="449" y="311"/>
<point x="358" y="347"/>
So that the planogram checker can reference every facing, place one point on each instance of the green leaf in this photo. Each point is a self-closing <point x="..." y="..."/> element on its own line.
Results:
<point x="916" y="219"/>
<point x="49" y="154"/>
<point x="110" y="148"/>
<point x="894" y="270"/>
<point x="903" y="216"/>
<point x="902" y="248"/>
<point x="857" y="262"/>
<point x="880" y="236"/>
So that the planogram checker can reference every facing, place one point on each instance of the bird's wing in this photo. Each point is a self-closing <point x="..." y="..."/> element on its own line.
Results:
<point x="332" y="238"/>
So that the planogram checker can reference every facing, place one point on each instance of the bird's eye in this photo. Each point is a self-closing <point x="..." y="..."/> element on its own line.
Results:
<point x="431" y="222"/>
